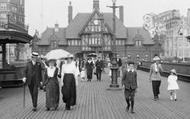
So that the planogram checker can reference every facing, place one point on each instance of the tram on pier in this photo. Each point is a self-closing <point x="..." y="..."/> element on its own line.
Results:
<point x="12" y="47"/>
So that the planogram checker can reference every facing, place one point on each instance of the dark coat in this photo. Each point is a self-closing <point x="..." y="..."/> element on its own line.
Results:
<point x="99" y="66"/>
<point x="119" y="62"/>
<point x="89" y="66"/>
<point x="129" y="80"/>
<point x="33" y="72"/>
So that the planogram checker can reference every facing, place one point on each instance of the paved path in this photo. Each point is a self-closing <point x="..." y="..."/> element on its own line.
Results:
<point x="94" y="101"/>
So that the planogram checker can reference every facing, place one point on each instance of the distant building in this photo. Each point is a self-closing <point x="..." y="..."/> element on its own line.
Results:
<point x="183" y="43"/>
<point x="92" y="33"/>
<point x="174" y="43"/>
<point x="12" y="16"/>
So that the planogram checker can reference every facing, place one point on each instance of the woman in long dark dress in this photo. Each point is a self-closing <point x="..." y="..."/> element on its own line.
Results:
<point x="89" y="69"/>
<point x="69" y="81"/>
<point x="52" y="86"/>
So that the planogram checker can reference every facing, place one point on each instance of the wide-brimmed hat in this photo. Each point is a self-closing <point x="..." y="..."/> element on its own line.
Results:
<point x="69" y="56"/>
<point x="50" y="60"/>
<point x="130" y="62"/>
<point x="173" y="71"/>
<point x="34" y="54"/>
<point x="156" y="58"/>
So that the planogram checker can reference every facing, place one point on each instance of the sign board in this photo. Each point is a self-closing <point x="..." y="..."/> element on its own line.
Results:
<point x="153" y="24"/>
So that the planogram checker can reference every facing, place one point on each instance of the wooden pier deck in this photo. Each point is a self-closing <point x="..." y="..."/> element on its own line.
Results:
<point x="94" y="101"/>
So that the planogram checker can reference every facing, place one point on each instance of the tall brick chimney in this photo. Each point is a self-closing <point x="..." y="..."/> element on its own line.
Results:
<point x="188" y="16"/>
<point x="96" y="5"/>
<point x="56" y="29"/>
<point x="121" y="13"/>
<point x="70" y="12"/>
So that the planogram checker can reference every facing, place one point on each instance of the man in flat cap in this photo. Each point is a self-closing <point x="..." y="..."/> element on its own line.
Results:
<point x="129" y="82"/>
<point x="33" y="78"/>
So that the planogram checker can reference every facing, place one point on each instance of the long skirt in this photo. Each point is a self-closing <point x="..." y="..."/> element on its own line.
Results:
<point x="52" y="93"/>
<point x="69" y="90"/>
<point x="89" y="74"/>
<point x="156" y="88"/>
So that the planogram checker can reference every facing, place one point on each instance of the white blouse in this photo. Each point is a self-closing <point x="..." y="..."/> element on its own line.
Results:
<point x="71" y="69"/>
<point x="51" y="71"/>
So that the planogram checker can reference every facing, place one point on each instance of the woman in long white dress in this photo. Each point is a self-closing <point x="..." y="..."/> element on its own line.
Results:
<point x="69" y="80"/>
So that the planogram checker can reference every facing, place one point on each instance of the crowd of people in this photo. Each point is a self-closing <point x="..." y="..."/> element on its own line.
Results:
<point x="53" y="76"/>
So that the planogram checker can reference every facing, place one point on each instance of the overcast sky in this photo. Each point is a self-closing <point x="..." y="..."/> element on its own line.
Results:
<point x="43" y="13"/>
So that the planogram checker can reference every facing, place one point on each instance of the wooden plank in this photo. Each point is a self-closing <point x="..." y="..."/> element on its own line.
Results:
<point x="95" y="102"/>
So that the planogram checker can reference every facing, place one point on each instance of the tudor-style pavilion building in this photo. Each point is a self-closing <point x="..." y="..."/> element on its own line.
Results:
<point x="92" y="33"/>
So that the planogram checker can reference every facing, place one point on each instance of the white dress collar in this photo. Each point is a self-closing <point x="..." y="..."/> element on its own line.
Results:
<point x="50" y="71"/>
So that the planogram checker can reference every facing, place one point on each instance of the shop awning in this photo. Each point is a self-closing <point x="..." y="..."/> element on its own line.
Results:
<point x="13" y="36"/>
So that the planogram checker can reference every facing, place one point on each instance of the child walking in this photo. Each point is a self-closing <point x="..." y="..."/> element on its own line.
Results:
<point x="173" y="85"/>
<point x="83" y="74"/>
<point x="129" y="82"/>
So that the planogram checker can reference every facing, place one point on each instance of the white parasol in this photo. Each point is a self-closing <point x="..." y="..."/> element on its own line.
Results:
<point x="56" y="54"/>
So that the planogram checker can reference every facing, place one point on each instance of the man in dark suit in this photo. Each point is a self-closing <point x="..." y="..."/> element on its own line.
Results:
<point x="33" y="78"/>
<point x="89" y="69"/>
<point x="129" y="82"/>
<point x="99" y="68"/>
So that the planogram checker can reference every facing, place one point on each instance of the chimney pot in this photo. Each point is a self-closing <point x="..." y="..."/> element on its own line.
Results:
<point x="96" y="5"/>
<point x="121" y="13"/>
<point x="56" y="27"/>
<point x="70" y="12"/>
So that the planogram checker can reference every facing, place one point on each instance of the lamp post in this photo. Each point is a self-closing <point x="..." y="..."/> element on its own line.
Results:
<point x="114" y="68"/>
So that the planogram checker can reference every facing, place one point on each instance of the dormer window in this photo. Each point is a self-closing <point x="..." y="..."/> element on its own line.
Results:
<point x="138" y="39"/>
<point x="138" y="43"/>
<point x="54" y="44"/>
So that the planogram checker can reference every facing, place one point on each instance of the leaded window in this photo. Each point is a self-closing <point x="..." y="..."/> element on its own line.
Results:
<point x="95" y="35"/>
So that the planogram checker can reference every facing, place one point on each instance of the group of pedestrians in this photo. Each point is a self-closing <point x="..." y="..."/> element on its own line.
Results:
<point x="65" y="76"/>
<point x="68" y="73"/>
<point x="92" y="67"/>
<point x="155" y="77"/>
<point x="129" y="82"/>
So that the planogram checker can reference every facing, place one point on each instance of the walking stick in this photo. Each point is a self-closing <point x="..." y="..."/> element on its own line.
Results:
<point x="24" y="91"/>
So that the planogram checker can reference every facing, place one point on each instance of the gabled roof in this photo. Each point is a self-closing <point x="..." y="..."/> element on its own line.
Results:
<point x="50" y="34"/>
<point x="134" y="32"/>
<point x="76" y="25"/>
<point x="81" y="19"/>
<point x="120" y="27"/>
<point x="63" y="41"/>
